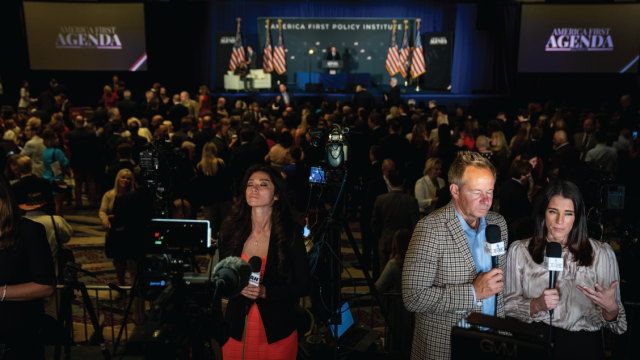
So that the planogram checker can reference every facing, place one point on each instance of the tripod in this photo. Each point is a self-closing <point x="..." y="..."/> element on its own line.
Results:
<point x="65" y="316"/>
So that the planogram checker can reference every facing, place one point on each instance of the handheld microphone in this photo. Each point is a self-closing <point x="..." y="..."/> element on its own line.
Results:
<point x="256" y="266"/>
<point x="554" y="263"/>
<point x="230" y="276"/>
<point x="494" y="246"/>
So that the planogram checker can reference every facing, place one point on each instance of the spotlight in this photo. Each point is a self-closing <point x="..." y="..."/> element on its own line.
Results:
<point x="310" y="51"/>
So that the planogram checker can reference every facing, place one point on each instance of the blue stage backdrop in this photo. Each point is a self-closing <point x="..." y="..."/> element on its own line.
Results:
<point x="361" y="43"/>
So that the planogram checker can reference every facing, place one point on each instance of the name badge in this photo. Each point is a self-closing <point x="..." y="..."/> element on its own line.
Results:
<point x="554" y="264"/>
<point x="494" y="249"/>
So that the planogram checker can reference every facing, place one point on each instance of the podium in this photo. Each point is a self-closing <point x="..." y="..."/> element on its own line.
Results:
<point x="332" y="65"/>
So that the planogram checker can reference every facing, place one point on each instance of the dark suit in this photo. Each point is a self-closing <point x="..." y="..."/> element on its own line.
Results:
<point x="252" y="59"/>
<point x="261" y="142"/>
<point x="566" y="155"/>
<point x="376" y="135"/>
<point x="363" y="99"/>
<point x="128" y="109"/>
<point x="138" y="143"/>
<point x="395" y="147"/>
<point x="333" y="57"/>
<point x="514" y="203"/>
<point x="223" y="149"/>
<point x="292" y="102"/>
<point x="376" y="187"/>
<point x="112" y="147"/>
<point x="133" y="211"/>
<point x="392" y="212"/>
<point x="200" y="139"/>
<point x="394" y="96"/>
<point x="32" y="184"/>
<point x="86" y="161"/>
<point x="590" y="143"/>
<point x="242" y="157"/>
<point x="176" y="113"/>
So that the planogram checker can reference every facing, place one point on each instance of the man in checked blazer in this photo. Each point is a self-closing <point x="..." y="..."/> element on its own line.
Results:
<point x="446" y="273"/>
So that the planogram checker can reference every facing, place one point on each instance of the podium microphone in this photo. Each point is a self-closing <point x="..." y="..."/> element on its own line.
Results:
<point x="494" y="247"/>
<point x="554" y="263"/>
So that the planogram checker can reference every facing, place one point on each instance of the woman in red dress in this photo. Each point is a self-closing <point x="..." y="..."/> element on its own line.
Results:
<point x="109" y="99"/>
<point x="204" y="100"/>
<point x="264" y="223"/>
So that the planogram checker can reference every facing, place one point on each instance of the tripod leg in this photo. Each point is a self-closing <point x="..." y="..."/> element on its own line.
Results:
<point x="94" y="321"/>
<point x="126" y="314"/>
<point x="62" y="316"/>
<point x="372" y="285"/>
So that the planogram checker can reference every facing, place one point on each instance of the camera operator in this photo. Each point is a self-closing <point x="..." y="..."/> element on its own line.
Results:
<point x="26" y="277"/>
<point x="263" y="224"/>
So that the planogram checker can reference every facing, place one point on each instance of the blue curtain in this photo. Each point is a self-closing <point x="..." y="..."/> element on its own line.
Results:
<point x="506" y="48"/>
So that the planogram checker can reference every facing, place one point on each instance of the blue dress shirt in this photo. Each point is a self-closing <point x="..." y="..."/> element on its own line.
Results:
<point x="483" y="261"/>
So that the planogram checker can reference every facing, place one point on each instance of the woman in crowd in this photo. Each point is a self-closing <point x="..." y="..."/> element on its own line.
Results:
<point x="297" y="176"/>
<point x="11" y="173"/>
<point x="482" y="144"/>
<point x="586" y="298"/>
<point x="264" y="224"/>
<point x="278" y="154"/>
<point x="109" y="99"/>
<point x="144" y="129"/>
<point x="212" y="173"/>
<point x="54" y="161"/>
<point x="470" y="133"/>
<point x="393" y="113"/>
<point x="427" y="187"/>
<point x="419" y="141"/>
<point x="27" y="274"/>
<point x="11" y="131"/>
<point x="112" y="246"/>
<point x="25" y="97"/>
<point x="401" y="320"/>
<point x="501" y="155"/>
<point x="204" y="100"/>
<point x="519" y="143"/>
<point x="58" y="126"/>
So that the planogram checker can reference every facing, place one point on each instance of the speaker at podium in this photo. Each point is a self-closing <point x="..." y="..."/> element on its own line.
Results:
<point x="332" y="65"/>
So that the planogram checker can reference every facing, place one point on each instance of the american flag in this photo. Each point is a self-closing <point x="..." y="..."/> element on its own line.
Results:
<point x="267" y="58"/>
<point x="404" y="53"/>
<point x="393" y="63"/>
<point x="418" y="66"/>
<point x="237" y="55"/>
<point x="279" y="62"/>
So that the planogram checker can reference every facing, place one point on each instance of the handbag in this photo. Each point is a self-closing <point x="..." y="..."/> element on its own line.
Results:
<point x="64" y="254"/>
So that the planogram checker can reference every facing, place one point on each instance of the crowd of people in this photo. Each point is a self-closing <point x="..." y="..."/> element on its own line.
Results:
<point x="406" y="181"/>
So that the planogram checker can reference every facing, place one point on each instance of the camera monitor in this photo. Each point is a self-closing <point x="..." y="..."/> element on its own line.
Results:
<point x="168" y="236"/>
<point x="317" y="176"/>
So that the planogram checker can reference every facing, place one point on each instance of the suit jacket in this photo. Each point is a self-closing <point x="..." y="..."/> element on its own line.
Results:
<point x="261" y="142"/>
<point x="253" y="60"/>
<point x="437" y="277"/>
<point x="176" y="113"/>
<point x="566" y="155"/>
<point x="242" y="157"/>
<point x="514" y="202"/>
<point x="370" y="173"/>
<point x="193" y="107"/>
<point x="83" y="145"/>
<point x="392" y="212"/>
<point x="128" y="109"/>
<point x="223" y="149"/>
<point x="377" y="135"/>
<point x="33" y="184"/>
<point x="376" y="188"/>
<point x="394" y="96"/>
<point x="363" y="99"/>
<point x="395" y="147"/>
<point x="200" y="139"/>
<point x="292" y="102"/>
<point x="33" y="149"/>
<point x="591" y="143"/>
<point x="133" y="211"/>
<point x="331" y="57"/>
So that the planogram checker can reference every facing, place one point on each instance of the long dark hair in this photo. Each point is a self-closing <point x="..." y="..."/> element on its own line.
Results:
<point x="10" y="216"/>
<point x="578" y="239"/>
<point x="284" y="220"/>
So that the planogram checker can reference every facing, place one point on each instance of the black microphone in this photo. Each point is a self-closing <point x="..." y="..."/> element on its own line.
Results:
<point x="494" y="246"/>
<point x="230" y="276"/>
<point x="554" y="263"/>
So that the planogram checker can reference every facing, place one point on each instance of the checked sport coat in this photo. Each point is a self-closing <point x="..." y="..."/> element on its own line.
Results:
<point x="437" y="277"/>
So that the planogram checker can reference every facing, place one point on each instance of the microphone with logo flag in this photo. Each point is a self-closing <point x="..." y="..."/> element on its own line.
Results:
<point x="494" y="247"/>
<point x="256" y="265"/>
<point x="554" y="263"/>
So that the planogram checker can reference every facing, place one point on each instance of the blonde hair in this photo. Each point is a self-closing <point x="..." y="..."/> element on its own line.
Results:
<point x="431" y="163"/>
<point x="482" y="142"/>
<point x="210" y="164"/>
<point x="107" y="89"/>
<point x="502" y="141"/>
<point x="122" y="173"/>
<point x="204" y="90"/>
<point x="464" y="160"/>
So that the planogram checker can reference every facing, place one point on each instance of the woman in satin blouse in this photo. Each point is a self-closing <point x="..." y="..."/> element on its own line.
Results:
<point x="587" y="296"/>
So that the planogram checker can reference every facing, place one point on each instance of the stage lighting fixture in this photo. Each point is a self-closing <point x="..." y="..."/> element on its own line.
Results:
<point x="310" y="51"/>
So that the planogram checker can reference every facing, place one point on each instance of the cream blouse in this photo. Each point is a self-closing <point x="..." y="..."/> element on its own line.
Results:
<point x="525" y="280"/>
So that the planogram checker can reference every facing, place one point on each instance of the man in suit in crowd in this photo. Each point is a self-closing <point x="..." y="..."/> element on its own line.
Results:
<point x="377" y="187"/>
<point x="191" y="105"/>
<point x="333" y="54"/>
<point x="220" y="140"/>
<point x="374" y="170"/>
<point x="405" y="119"/>
<point x="243" y="156"/>
<point x="514" y="202"/>
<point x="394" y="94"/>
<point x="33" y="149"/>
<point x="122" y="162"/>
<point x="395" y="146"/>
<point x="177" y="112"/>
<point x="31" y="184"/>
<point x="182" y="135"/>
<point x="203" y="136"/>
<point x="391" y="212"/>
<point x="252" y="58"/>
<point x="363" y="99"/>
<point x="566" y="154"/>
<point x="144" y="106"/>
<point x="286" y="99"/>
<point x="585" y="140"/>
<point x="112" y="141"/>
<point x="138" y="141"/>
<point x="446" y="272"/>
<point x="84" y="146"/>
<point x="113" y="114"/>
<point x="377" y="131"/>
<point x="128" y="108"/>
<point x="255" y="113"/>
